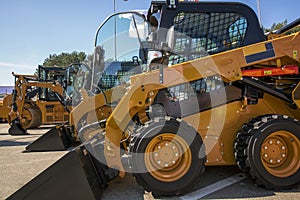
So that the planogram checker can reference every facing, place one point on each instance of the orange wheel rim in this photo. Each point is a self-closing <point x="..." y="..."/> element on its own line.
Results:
<point x="280" y="154"/>
<point x="168" y="157"/>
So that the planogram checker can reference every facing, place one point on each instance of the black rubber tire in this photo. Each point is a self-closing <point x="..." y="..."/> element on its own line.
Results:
<point x="139" y="143"/>
<point x="262" y="128"/>
<point x="36" y="118"/>
<point x="241" y="143"/>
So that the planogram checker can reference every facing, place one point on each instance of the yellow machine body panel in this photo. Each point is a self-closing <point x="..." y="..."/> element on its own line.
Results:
<point x="5" y="107"/>
<point x="52" y="112"/>
<point x="218" y="126"/>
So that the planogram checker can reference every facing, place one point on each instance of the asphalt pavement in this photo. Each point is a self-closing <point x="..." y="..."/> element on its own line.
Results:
<point x="17" y="168"/>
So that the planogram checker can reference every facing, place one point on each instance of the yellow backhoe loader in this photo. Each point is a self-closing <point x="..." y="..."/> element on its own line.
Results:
<point x="180" y="87"/>
<point x="34" y="100"/>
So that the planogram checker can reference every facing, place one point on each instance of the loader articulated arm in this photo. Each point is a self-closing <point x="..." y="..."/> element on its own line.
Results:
<point x="229" y="65"/>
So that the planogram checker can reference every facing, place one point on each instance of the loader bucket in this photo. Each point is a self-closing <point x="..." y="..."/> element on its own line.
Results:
<point x="56" y="139"/>
<point x="77" y="175"/>
<point x="16" y="129"/>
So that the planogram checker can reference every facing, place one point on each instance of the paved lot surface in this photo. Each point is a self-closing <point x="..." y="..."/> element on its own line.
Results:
<point x="17" y="168"/>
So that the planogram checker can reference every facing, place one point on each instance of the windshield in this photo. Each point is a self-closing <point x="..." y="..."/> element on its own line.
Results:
<point x="77" y="77"/>
<point x="118" y="49"/>
<point x="49" y="74"/>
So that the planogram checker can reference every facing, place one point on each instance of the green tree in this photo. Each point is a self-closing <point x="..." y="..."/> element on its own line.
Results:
<point x="277" y="26"/>
<point x="64" y="59"/>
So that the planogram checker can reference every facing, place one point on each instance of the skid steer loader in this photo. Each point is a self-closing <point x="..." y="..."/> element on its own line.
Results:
<point x="65" y="96"/>
<point x="183" y="86"/>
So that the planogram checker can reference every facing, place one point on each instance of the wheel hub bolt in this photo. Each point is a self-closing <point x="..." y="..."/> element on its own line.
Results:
<point x="266" y="155"/>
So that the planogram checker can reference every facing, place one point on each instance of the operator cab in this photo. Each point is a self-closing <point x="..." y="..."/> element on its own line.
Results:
<point x="49" y="74"/>
<point x="194" y="29"/>
<point x="171" y="32"/>
<point x="76" y="77"/>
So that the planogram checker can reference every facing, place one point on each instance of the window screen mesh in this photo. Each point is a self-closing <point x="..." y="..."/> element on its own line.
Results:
<point x="118" y="74"/>
<point x="186" y="90"/>
<point x="107" y="82"/>
<point x="200" y="34"/>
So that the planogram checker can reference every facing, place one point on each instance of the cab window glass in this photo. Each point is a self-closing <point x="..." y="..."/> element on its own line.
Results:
<point x="200" y="34"/>
<point x="118" y="45"/>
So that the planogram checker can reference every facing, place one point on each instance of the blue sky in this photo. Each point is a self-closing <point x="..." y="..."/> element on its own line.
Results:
<point x="31" y="30"/>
